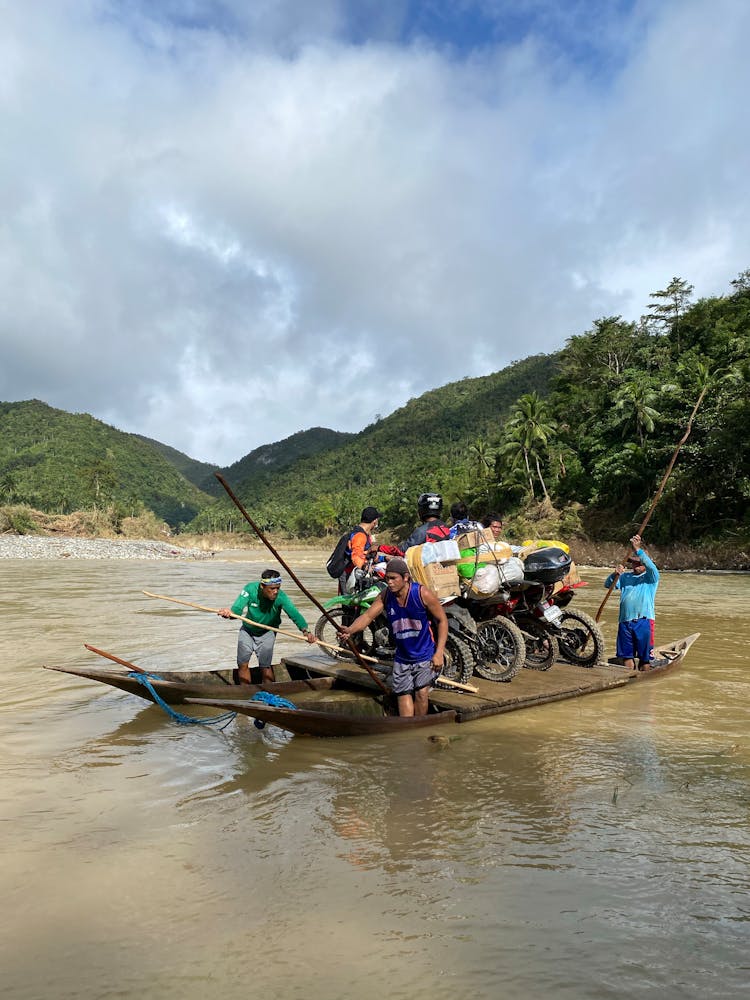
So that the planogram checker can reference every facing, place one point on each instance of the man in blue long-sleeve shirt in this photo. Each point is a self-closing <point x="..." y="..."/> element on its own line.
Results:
<point x="637" y="585"/>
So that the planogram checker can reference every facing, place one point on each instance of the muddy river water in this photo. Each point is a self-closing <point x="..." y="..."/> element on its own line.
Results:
<point x="598" y="847"/>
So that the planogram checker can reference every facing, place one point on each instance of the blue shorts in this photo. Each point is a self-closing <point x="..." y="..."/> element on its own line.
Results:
<point x="410" y="677"/>
<point x="635" y="640"/>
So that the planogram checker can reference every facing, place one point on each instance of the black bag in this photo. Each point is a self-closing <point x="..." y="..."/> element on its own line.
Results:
<point x="339" y="558"/>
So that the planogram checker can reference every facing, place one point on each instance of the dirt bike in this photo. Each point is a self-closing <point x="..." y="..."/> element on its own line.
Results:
<point x="496" y="642"/>
<point x="376" y="639"/>
<point x="540" y="608"/>
<point x="548" y="630"/>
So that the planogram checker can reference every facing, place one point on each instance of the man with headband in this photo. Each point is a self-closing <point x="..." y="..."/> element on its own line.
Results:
<point x="262" y="602"/>
<point x="411" y="610"/>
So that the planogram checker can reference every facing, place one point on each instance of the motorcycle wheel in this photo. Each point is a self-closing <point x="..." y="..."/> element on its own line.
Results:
<point x="326" y="632"/>
<point x="541" y="648"/>
<point x="501" y="650"/>
<point x="580" y="640"/>
<point x="458" y="664"/>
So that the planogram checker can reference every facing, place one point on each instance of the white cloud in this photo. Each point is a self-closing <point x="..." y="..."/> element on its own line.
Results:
<point x="220" y="237"/>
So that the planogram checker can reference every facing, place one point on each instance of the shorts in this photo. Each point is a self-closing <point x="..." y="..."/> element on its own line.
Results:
<point x="261" y="645"/>
<point x="410" y="677"/>
<point x="635" y="640"/>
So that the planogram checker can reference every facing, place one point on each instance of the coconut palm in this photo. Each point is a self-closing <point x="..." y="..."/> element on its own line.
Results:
<point x="634" y="399"/>
<point x="528" y="434"/>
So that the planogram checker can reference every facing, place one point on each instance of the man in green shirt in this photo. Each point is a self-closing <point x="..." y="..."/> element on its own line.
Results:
<point x="263" y="603"/>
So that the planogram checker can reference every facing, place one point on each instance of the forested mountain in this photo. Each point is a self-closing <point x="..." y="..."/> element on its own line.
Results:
<point x="263" y="464"/>
<point x="588" y="431"/>
<point x="435" y="442"/>
<point x="58" y="462"/>
<point x="197" y="473"/>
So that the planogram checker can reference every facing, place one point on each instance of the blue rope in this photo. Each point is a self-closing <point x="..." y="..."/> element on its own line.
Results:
<point x="183" y="720"/>
<point x="274" y="700"/>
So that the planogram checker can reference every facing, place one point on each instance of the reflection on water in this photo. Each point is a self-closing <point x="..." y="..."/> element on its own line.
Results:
<point x="590" y="848"/>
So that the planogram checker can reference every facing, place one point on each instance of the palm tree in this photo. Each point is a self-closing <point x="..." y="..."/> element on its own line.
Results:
<point x="482" y="457"/>
<point x="9" y="486"/>
<point x="528" y="433"/>
<point x="635" y="398"/>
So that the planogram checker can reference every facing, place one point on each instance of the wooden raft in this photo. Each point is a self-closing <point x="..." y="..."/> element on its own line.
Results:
<point x="526" y="689"/>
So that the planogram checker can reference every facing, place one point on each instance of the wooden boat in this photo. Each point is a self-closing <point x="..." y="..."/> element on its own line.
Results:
<point x="537" y="688"/>
<point x="176" y="686"/>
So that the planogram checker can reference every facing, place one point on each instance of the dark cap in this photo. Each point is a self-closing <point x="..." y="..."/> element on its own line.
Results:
<point x="397" y="566"/>
<point x="370" y="514"/>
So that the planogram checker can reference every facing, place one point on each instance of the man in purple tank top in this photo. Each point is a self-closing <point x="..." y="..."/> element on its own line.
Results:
<point x="411" y="609"/>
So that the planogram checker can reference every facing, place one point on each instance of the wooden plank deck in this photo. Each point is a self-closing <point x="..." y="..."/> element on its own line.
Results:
<point x="527" y="688"/>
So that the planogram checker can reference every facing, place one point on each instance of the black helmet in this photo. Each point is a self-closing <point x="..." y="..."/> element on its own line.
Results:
<point x="429" y="505"/>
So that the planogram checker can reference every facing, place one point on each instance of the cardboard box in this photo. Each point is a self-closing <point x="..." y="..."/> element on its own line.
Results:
<point x="473" y="539"/>
<point x="443" y="580"/>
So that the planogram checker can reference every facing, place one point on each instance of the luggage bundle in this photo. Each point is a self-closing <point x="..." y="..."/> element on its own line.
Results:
<point x="476" y="566"/>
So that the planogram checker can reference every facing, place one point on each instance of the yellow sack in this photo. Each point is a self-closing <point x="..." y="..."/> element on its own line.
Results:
<point x="543" y="543"/>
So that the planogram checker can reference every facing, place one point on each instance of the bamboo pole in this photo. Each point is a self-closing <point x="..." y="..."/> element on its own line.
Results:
<point x="293" y="575"/>
<point x="469" y="688"/>
<point x="659" y="492"/>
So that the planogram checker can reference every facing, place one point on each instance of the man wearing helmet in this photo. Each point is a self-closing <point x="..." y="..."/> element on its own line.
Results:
<point x="432" y="529"/>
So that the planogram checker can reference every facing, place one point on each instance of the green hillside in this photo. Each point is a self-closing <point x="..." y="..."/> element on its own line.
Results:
<point x="261" y="466"/>
<point x="585" y="434"/>
<point x="582" y="438"/>
<point x="430" y="443"/>
<point x="194" y="471"/>
<point x="59" y="462"/>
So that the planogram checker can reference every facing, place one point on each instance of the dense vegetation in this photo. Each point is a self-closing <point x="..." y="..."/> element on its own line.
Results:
<point x="588" y="433"/>
<point x="428" y="444"/>
<point x="261" y="466"/>
<point x="584" y="435"/>
<point x="60" y="462"/>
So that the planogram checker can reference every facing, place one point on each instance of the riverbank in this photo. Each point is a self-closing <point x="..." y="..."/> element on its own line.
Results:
<point x="44" y="547"/>
<point x="716" y="558"/>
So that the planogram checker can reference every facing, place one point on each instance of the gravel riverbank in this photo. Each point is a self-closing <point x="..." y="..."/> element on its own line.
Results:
<point x="43" y="547"/>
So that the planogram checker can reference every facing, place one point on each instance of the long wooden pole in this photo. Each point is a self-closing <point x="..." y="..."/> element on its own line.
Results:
<point x="326" y="645"/>
<point x="659" y="492"/>
<point x="249" y="621"/>
<point x="293" y="575"/>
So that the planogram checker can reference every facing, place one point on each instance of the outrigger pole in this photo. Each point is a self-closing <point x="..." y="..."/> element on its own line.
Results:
<point x="659" y="492"/>
<point x="293" y="575"/>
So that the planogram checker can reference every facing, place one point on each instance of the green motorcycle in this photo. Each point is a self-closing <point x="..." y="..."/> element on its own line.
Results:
<point x="377" y="640"/>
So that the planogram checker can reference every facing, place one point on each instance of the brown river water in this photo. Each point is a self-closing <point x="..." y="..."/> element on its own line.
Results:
<point x="593" y="848"/>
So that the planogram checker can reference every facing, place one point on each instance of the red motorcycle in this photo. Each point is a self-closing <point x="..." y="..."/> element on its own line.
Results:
<point x="539" y="607"/>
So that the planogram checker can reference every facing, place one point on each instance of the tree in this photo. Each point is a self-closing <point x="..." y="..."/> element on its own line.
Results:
<point x="528" y="434"/>
<point x="635" y="398"/>
<point x="673" y="300"/>
<point x="9" y="486"/>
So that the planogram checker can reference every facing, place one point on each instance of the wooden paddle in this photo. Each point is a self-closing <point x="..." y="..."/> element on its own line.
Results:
<point x="292" y="635"/>
<point x="659" y="492"/>
<point x="357" y="655"/>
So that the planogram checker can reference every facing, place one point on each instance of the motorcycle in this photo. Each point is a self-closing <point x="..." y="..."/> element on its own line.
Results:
<point x="496" y="642"/>
<point x="377" y="639"/>
<point x="539" y="606"/>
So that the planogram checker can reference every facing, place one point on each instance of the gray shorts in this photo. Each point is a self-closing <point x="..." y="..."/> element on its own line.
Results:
<point x="261" y="645"/>
<point x="410" y="677"/>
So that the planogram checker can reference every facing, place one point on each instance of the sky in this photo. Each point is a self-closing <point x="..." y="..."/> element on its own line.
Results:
<point x="223" y="222"/>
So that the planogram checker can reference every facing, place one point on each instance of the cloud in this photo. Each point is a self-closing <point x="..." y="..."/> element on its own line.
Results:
<point x="223" y="223"/>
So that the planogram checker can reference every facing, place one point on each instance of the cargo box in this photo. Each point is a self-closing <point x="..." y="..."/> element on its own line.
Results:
<point x="443" y="580"/>
<point x="473" y="539"/>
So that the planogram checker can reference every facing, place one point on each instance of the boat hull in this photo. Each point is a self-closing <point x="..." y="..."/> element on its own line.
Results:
<point x="175" y="687"/>
<point x="304" y="722"/>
